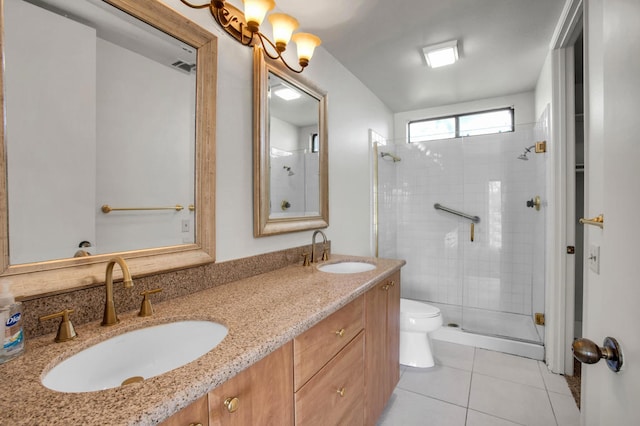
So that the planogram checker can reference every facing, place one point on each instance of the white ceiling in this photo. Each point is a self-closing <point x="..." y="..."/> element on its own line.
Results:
<point x="503" y="45"/>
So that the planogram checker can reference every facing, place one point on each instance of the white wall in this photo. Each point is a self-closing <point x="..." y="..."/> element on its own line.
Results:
<point x="353" y="109"/>
<point x="283" y="135"/>
<point x="127" y="97"/>
<point x="522" y="102"/>
<point x="51" y="166"/>
<point x="543" y="93"/>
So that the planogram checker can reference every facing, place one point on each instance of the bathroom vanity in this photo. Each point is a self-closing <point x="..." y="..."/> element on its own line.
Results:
<point x="303" y="347"/>
<point x="344" y="370"/>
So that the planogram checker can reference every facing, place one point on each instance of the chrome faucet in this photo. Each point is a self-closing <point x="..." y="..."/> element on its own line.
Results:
<point x="110" y="317"/>
<point x="325" y="256"/>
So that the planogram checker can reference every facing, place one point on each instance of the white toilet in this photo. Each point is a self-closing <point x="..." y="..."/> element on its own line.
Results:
<point x="417" y="319"/>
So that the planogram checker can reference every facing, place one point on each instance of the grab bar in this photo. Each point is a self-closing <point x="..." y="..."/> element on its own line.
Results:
<point x="107" y="208"/>
<point x="474" y="219"/>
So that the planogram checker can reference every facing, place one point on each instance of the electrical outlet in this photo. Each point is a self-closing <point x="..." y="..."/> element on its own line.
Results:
<point x="594" y="258"/>
<point x="185" y="225"/>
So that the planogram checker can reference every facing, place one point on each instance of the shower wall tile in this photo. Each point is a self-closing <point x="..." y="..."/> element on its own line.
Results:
<point x="481" y="176"/>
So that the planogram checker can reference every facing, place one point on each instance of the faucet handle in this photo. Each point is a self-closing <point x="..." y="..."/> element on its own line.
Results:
<point x="305" y="260"/>
<point x="66" y="331"/>
<point x="146" y="310"/>
<point x="325" y="254"/>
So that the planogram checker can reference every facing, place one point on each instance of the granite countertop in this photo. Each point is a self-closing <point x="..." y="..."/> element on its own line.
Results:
<point x="261" y="312"/>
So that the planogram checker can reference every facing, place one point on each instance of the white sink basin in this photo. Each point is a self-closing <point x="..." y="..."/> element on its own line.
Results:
<point x="142" y="353"/>
<point x="348" y="267"/>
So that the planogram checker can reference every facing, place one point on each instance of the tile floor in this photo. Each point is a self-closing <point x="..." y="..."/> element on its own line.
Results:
<point x="476" y="387"/>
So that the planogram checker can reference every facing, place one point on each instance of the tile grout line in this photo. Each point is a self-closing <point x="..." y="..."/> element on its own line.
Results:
<point x="546" y="388"/>
<point x="431" y="397"/>
<point x="473" y="362"/>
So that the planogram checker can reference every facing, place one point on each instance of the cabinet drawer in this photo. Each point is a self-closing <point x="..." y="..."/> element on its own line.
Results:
<point x="315" y="347"/>
<point x="335" y="395"/>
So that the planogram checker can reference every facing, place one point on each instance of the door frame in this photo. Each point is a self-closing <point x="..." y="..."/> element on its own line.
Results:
<point x="560" y="276"/>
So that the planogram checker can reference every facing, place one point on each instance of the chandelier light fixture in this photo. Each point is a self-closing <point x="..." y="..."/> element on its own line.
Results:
<point x="245" y="27"/>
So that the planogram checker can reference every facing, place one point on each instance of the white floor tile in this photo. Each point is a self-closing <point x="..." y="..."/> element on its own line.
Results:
<point x="453" y="354"/>
<point x="554" y="382"/>
<point x="565" y="409"/>
<point x="476" y="418"/>
<point x="443" y="383"/>
<point x="508" y="367"/>
<point x="403" y="368"/>
<point x="512" y="401"/>
<point x="477" y="387"/>
<point x="407" y="409"/>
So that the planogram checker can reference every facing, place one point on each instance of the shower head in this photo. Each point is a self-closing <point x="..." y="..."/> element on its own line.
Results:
<point x="523" y="156"/>
<point x="288" y="169"/>
<point x="393" y="157"/>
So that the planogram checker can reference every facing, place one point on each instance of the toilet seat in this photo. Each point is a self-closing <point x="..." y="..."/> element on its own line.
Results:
<point x="418" y="309"/>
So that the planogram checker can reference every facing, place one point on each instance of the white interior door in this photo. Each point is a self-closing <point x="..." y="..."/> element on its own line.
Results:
<point x="613" y="188"/>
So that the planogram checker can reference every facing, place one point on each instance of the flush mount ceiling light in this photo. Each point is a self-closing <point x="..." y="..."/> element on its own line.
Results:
<point x="245" y="27"/>
<point x="285" y="92"/>
<point x="439" y="55"/>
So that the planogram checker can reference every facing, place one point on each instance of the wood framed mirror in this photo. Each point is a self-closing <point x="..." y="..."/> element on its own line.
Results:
<point x="63" y="273"/>
<point x="290" y="154"/>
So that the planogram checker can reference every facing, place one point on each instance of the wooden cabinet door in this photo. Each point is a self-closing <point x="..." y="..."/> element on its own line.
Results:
<point x="335" y="395"/>
<point x="263" y="393"/>
<point x="195" y="414"/>
<point x="382" y="345"/>
<point x="316" y="346"/>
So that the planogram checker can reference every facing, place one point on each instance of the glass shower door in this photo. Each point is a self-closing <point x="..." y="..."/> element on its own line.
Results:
<point x="503" y="278"/>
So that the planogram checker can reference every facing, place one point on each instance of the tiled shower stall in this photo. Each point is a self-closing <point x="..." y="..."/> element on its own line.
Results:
<point x="494" y="284"/>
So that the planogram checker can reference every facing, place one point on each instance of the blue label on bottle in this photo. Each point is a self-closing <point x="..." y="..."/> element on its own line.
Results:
<point x="14" y="342"/>
<point x="13" y="320"/>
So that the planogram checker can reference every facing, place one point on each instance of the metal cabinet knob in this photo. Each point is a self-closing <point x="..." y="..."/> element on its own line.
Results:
<point x="340" y="333"/>
<point x="341" y="391"/>
<point x="588" y="352"/>
<point x="231" y="404"/>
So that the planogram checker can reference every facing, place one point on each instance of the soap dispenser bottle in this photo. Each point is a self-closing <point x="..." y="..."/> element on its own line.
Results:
<point x="11" y="332"/>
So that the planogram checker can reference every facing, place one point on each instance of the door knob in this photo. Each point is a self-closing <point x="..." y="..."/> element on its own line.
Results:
<point x="587" y="352"/>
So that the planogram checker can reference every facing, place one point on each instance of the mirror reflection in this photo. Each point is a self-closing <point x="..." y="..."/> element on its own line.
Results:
<point x="294" y="150"/>
<point x="86" y="126"/>
<point x="290" y="151"/>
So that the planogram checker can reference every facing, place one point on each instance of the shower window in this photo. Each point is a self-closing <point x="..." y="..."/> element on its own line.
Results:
<point x="429" y="130"/>
<point x="455" y="126"/>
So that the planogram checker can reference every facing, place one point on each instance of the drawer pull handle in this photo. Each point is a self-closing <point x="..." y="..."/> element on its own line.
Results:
<point x="340" y="332"/>
<point x="231" y="404"/>
<point x="385" y="287"/>
<point x="195" y="424"/>
<point x="341" y="391"/>
<point x="392" y="283"/>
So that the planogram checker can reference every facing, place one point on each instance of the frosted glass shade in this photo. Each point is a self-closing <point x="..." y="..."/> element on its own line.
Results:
<point x="255" y="10"/>
<point x="306" y="44"/>
<point x="283" y="26"/>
